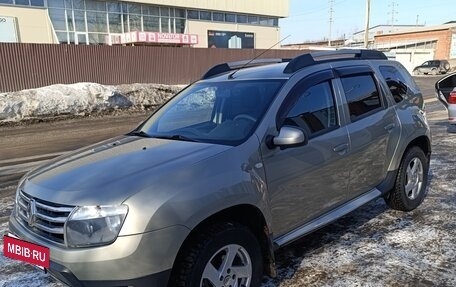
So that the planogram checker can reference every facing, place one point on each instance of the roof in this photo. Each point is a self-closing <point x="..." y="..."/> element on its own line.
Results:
<point x="285" y="68"/>
<point x="421" y="29"/>
<point x="271" y="71"/>
<point x="394" y="44"/>
<point x="387" y="26"/>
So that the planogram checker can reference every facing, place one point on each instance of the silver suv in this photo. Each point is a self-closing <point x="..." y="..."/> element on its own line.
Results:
<point x="248" y="159"/>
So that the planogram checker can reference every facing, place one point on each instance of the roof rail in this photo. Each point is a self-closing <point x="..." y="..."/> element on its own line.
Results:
<point x="310" y="59"/>
<point x="231" y="66"/>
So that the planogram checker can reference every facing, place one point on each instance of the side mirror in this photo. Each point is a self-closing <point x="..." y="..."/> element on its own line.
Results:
<point x="289" y="137"/>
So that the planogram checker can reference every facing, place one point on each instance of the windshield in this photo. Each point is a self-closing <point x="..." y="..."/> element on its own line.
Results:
<point x="216" y="112"/>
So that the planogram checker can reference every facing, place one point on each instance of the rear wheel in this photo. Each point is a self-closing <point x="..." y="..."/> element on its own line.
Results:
<point x="223" y="255"/>
<point x="411" y="182"/>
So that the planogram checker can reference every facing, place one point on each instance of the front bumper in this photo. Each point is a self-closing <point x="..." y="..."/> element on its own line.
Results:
<point x="64" y="275"/>
<point x="136" y="260"/>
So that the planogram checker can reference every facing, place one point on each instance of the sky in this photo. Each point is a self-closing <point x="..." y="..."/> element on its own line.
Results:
<point x="309" y="19"/>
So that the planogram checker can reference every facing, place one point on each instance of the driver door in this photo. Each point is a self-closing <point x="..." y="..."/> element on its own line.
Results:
<point x="309" y="180"/>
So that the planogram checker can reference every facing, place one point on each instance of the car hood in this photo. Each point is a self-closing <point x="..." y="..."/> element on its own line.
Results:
<point x="111" y="171"/>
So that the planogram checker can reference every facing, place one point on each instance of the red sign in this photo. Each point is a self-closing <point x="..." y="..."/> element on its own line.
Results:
<point x="25" y="251"/>
<point x="154" y="37"/>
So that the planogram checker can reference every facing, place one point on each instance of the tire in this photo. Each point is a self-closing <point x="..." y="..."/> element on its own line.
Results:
<point x="207" y="252"/>
<point x="411" y="181"/>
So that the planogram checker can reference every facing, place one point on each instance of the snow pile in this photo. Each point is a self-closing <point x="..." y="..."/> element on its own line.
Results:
<point x="80" y="98"/>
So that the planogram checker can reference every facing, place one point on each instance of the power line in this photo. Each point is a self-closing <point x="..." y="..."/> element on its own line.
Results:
<point x="393" y="13"/>
<point x="331" y="20"/>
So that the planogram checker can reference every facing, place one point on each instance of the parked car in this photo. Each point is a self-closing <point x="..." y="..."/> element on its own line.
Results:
<point x="446" y="93"/>
<point x="433" y="67"/>
<point x="250" y="158"/>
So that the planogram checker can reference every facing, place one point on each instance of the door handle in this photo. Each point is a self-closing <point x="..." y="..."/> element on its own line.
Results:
<point x="341" y="149"/>
<point x="389" y="127"/>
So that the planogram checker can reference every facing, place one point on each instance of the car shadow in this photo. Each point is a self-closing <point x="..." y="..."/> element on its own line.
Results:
<point x="347" y="231"/>
<point x="450" y="127"/>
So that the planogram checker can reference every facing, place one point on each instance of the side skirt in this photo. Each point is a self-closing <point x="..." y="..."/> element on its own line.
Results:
<point x="327" y="218"/>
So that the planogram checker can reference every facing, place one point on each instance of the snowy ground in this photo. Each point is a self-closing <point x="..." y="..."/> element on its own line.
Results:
<point x="80" y="99"/>
<point x="372" y="246"/>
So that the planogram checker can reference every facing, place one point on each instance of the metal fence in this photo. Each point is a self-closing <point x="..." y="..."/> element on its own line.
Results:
<point x="25" y="66"/>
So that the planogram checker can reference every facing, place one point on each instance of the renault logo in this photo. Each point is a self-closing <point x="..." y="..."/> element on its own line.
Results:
<point x="31" y="213"/>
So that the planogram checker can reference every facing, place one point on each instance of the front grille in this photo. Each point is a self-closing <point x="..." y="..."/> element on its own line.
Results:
<point x="43" y="218"/>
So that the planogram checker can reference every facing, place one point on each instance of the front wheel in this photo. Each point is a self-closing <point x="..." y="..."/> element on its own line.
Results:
<point x="411" y="182"/>
<point x="223" y="255"/>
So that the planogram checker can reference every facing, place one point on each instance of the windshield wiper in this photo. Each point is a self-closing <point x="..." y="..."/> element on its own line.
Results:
<point x="139" y="134"/>
<point x="175" y="137"/>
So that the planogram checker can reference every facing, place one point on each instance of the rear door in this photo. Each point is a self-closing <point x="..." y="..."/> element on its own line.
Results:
<point x="371" y="123"/>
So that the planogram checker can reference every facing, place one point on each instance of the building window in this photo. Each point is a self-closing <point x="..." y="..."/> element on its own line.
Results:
<point x="165" y="25"/>
<point x="164" y="11"/>
<point x="192" y="14"/>
<point x="205" y="15"/>
<point x="180" y="26"/>
<point x="230" y="18"/>
<point x="134" y="22"/>
<point x="179" y="13"/>
<point x="151" y="24"/>
<point x="96" y="6"/>
<point x="39" y="3"/>
<point x="218" y="17"/>
<point x="77" y="4"/>
<point x="22" y="2"/>
<point x="58" y="19"/>
<point x="253" y="19"/>
<point x="114" y="7"/>
<point x="151" y="10"/>
<point x="242" y="18"/>
<point x="79" y="21"/>
<point x="96" y="22"/>
<point x="133" y="9"/>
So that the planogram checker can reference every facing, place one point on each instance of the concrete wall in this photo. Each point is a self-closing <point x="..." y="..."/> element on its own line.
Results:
<point x="277" y="8"/>
<point x="265" y="37"/>
<point x="442" y="51"/>
<point x="33" y="23"/>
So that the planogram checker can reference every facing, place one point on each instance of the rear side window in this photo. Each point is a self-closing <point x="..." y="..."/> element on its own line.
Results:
<point x="395" y="81"/>
<point x="314" y="110"/>
<point x="362" y="96"/>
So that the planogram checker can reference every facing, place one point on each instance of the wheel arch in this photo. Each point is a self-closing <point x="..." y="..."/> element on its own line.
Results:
<point x="247" y="215"/>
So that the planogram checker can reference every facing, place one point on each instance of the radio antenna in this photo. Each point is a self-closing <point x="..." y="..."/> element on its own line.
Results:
<point x="256" y="57"/>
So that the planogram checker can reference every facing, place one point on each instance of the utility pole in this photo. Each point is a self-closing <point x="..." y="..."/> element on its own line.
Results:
<point x="366" y="27"/>
<point x="331" y="11"/>
<point x="417" y="20"/>
<point x="393" y="13"/>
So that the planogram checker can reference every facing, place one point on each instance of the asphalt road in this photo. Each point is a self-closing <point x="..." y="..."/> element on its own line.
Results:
<point x="372" y="246"/>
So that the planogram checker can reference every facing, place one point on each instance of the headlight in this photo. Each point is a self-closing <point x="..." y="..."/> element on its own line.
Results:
<point x="94" y="225"/>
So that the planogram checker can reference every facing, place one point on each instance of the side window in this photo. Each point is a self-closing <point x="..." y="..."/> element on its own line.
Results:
<point x="395" y="81"/>
<point x="314" y="110"/>
<point x="362" y="95"/>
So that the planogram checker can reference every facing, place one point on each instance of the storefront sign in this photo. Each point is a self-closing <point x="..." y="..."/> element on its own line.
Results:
<point x="233" y="40"/>
<point x="8" y="30"/>
<point x="155" y="37"/>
